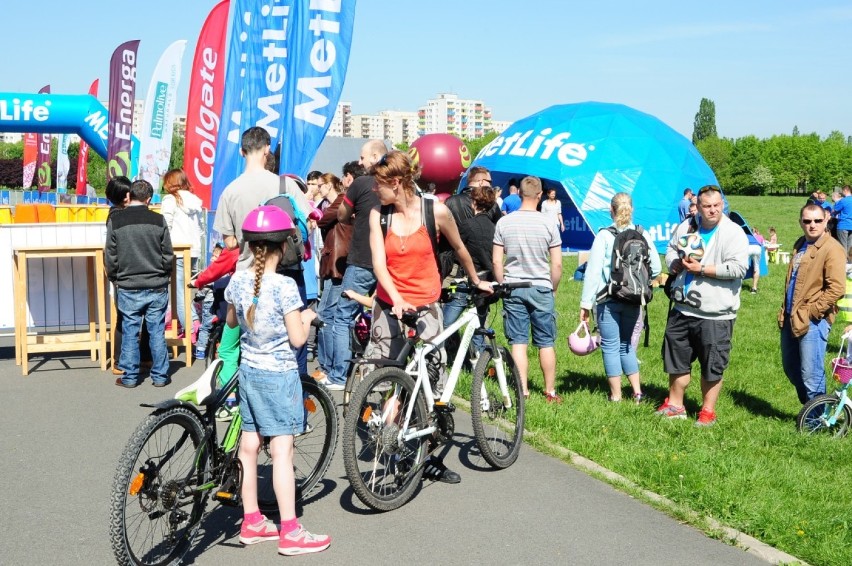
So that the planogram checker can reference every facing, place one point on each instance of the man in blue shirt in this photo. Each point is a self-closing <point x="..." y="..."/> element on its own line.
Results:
<point x="843" y="213"/>
<point x="683" y="205"/>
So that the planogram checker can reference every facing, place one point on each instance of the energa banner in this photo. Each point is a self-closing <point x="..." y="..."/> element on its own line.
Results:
<point x="122" y="97"/>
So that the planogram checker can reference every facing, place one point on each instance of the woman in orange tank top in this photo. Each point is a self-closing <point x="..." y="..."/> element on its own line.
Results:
<point x="405" y="266"/>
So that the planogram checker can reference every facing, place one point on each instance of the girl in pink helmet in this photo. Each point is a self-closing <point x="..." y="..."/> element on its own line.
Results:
<point x="259" y="300"/>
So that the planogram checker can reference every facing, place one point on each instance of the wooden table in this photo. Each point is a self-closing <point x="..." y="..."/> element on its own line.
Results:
<point x="95" y="339"/>
<point x="172" y="332"/>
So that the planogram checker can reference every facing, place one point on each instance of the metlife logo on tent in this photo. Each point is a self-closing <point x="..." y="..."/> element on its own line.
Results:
<point x="543" y="146"/>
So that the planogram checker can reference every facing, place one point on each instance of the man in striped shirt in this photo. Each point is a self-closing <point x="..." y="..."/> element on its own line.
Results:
<point x="528" y="247"/>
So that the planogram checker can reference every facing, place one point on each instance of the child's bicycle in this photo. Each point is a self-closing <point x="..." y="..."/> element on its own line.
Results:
<point x="175" y="461"/>
<point x="831" y="413"/>
<point x="396" y="417"/>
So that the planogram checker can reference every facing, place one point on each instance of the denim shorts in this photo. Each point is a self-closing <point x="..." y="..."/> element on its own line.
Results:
<point x="271" y="401"/>
<point x="530" y="307"/>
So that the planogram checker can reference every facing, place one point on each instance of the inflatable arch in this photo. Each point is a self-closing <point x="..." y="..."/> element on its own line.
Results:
<point x="80" y="114"/>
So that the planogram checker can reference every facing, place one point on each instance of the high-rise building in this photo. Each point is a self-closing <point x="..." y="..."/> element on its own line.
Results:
<point x="341" y="123"/>
<point x="499" y="126"/>
<point x="467" y="119"/>
<point x="368" y="126"/>
<point x="399" y="127"/>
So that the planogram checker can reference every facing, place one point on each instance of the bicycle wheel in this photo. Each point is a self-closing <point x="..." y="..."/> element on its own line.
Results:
<point x="384" y="470"/>
<point x="155" y="509"/>
<point x="498" y="423"/>
<point x="213" y="340"/>
<point x="815" y="414"/>
<point x="313" y="450"/>
<point x="357" y="373"/>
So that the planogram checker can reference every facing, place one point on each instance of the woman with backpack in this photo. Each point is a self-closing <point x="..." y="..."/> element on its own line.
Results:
<point x="606" y="284"/>
<point x="403" y="238"/>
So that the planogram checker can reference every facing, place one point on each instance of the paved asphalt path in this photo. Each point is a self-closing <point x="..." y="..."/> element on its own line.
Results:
<point x="65" y="425"/>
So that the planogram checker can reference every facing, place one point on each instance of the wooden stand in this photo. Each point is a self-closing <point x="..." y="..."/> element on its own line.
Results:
<point x="95" y="339"/>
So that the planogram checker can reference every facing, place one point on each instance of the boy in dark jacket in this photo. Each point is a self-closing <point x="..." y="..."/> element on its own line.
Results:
<point x="138" y="257"/>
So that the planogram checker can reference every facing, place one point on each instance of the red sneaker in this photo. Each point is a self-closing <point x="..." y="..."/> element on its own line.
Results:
<point x="302" y="542"/>
<point x="259" y="532"/>
<point x="705" y="418"/>
<point x="671" y="411"/>
<point x="553" y="398"/>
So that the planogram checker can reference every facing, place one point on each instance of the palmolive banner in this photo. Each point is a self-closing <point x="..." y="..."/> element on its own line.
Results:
<point x="206" y="85"/>
<point x="30" y="155"/>
<point x="83" y="153"/>
<point x="318" y="63"/>
<point x="122" y="94"/>
<point x="275" y="53"/>
<point x="43" y="172"/>
<point x="62" y="163"/>
<point x="155" y="137"/>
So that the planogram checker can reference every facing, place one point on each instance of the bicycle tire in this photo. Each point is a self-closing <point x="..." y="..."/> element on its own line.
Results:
<point x="152" y="527"/>
<point x="498" y="429"/>
<point x="812" y="419"/>
<point x="392" y="471"/>
<point x="213" y="340"/>
<point x="312" y="451"/>
<point x="357" y="373"/>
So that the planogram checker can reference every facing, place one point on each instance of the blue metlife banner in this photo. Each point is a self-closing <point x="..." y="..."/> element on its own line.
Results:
<point x="285" y="68"/>
<point x="318" y="71"/>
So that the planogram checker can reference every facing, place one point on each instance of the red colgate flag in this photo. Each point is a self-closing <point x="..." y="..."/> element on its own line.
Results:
<point x="83" y="154"/>
<point x="204" y="105"/>
<point x="30" y="155"/>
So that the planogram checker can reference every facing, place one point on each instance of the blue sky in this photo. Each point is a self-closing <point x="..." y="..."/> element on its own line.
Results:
<point x="768" y="65"/>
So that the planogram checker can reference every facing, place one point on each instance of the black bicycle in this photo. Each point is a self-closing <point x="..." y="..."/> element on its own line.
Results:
<point x="175" y="461"/>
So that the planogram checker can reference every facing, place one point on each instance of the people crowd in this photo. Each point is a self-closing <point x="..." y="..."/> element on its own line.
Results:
<point x="374" y="237"/>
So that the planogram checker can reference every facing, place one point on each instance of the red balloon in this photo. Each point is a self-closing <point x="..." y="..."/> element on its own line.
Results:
<point x="443" y="159"/>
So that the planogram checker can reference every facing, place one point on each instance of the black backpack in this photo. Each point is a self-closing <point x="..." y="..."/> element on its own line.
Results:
<point x="630" y="269"/>
<point x="428" y="217"/>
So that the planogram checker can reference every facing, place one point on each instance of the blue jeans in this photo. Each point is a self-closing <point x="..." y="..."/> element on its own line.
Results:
<point x="150" y="305"/>
<point x="530" y="308"/>
<point x="804" y="358"/>
<point x="325" y="337"/>
<point x="362" y="281"/>
<point x="206" y="325"/>
<point x="181" y="287"/>
<point x="453" y="310"/>
<point x="616" y="322"/>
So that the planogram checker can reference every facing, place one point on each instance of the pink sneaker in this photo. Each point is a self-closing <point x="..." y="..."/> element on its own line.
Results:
<point x="259" y="532"/>
<point x="302" y="542"/>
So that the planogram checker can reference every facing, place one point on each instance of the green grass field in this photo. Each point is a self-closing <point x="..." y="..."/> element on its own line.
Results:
<point x="753" y="471"/>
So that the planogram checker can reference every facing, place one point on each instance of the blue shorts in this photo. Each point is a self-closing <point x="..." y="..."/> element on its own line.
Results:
<point x="271" y="401"/>
<point x="530" y="307"/>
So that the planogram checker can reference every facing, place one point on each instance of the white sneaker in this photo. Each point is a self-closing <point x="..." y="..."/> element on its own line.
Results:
<point x="330" y="385"/>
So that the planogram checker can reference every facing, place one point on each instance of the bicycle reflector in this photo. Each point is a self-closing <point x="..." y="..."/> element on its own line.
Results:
<point x="365" y="417"/>
<point x="310" y="406"/>
<point x="136" y="484"/>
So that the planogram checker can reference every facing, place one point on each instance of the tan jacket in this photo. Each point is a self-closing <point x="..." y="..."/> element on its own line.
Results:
<point x="820" y="282"/>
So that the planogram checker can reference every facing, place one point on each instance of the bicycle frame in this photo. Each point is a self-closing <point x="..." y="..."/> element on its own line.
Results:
<point x="417" y="367"/>
<point x="843" y="395"/>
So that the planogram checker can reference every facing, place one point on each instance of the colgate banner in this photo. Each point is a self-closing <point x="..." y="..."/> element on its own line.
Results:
<point x="83" y="154"/>
<point x="122" y="95"/>
<point x="204" y="105"/>
<point x="159" y="117"/>
<point x="43" y="173"/>
<point x="30" y="154"/>
<point x="316" y="72"/>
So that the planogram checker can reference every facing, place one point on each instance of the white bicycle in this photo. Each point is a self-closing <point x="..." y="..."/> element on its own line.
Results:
<point x="396" y="417"/>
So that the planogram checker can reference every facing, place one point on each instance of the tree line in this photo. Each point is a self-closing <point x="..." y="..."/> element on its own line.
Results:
<point x="782" y="164"/>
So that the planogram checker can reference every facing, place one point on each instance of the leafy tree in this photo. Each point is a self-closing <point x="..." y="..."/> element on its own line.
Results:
<point x="762" y="179"/>
<point x="705" y="121"/>
<point x="717" y="153"/>
<point x="476" y="145"/>
<point x="176" y="159"/>
<point x="795" y="131"/>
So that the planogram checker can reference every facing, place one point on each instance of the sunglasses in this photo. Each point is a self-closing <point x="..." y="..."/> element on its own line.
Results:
<point x="807" y="221"/>
<point x="709" y="188"/>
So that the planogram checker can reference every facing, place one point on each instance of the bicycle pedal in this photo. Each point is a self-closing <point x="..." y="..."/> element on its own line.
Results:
<point x="228" y="498"/>
<point x="444" y="407"/>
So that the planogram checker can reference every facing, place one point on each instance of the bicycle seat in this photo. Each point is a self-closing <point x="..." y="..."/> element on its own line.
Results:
<point x="202" y="390"/>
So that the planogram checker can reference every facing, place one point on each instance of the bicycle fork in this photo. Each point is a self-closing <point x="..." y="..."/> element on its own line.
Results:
<point x="499" y="370"/>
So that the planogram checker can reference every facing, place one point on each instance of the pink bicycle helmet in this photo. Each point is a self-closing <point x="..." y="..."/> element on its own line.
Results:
<point x="585" y="343"/>
<point x="267" y="223"/>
